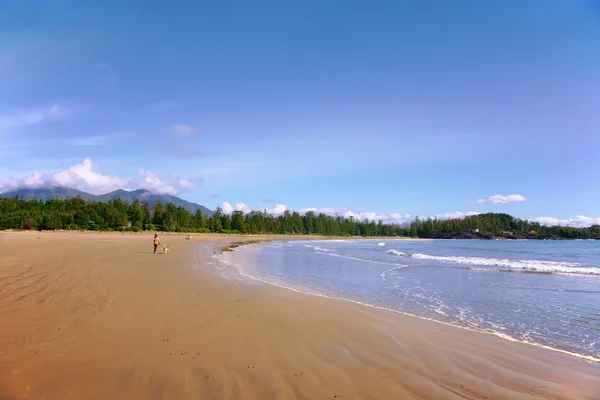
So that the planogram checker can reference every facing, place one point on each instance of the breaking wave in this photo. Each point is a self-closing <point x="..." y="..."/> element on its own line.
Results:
<point x="398" y="253"/>
<point x="506" y="265"/>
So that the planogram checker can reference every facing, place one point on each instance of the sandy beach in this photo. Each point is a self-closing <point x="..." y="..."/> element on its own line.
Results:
<point x="98" y="316"/>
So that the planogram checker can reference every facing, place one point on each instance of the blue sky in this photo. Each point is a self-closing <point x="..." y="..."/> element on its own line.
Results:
<point x="381" y="107"/>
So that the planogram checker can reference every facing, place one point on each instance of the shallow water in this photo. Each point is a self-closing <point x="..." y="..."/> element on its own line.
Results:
<point x="540" y="292"/>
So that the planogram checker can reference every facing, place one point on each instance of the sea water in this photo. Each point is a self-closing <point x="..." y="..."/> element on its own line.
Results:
<point x="545" y="293"/>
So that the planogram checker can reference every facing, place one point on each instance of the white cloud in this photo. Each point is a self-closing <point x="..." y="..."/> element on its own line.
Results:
<point x="279" y="209"/>
<point x="34" y="116"/>
<point x="456" y="215"/>
<point x="229" y="209"/>
<point x="151" y="182"/>
<point x="579" y="221"/>
<point x="305" y="210"/>
<point x="185" y="130"/>
<point x="33" y="180"/>
<point x="397" y="218"/>
<point x="186" y="184"/>
<point x="498" y="198"/>
<point x="83" y="177"/>
<point x="394" y="218"/>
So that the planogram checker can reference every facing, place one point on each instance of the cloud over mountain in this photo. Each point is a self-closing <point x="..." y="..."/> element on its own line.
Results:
<point x="85" y="177"/>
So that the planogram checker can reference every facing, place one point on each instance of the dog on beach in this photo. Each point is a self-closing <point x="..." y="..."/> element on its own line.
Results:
<point x="166" y="248"/>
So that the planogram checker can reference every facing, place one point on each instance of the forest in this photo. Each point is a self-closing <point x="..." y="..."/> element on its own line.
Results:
<point x="118" y="215"/>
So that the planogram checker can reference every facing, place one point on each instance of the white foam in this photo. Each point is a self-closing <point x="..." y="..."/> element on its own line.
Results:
<point x="384" y="275"/>
<point x="358" y="258"/>
<point x="387" y="277"/>
<point x="524" y="265"/>
<point x="322" y="249"/>
<point x="398" y="253"/>
<point x="557" y="267"/>
<point x="381" y="244"/>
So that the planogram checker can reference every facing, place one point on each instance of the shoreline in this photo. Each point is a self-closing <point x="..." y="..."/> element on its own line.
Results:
<point x="249" y="236"/>
<point x="277" y="235"/>
<point x="590" y="359"/>
<point x="81" y="309"/>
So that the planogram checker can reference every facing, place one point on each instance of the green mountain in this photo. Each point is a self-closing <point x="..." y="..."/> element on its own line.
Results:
<point x="142" y="195"/>
<point x="50" y="193"/>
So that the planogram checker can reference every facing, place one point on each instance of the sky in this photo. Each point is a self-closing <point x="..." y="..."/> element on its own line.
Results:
<point x="376" y="109"/>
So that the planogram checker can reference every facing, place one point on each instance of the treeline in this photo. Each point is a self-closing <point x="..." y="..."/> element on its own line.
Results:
<point x="78" y="214"/>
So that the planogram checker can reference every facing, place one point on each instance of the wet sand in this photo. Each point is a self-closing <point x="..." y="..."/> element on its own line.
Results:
<point x="98" y="316"/>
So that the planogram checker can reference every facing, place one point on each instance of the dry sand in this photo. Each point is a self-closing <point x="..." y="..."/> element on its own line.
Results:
<point x="97" y="316"/>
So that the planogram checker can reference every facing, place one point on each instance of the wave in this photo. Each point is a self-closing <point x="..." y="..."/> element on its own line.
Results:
<point x="317" y="248"/>
<point x="382" y="244"/>
<point x="387" y="273"/>
<point x="387" y="277"/>
<point x="323" y="249"/>
<point x="363" y="259"/>
<point x="398" y="253"/>
<point x="330" y="252"/>
<point x="505" y="265"/>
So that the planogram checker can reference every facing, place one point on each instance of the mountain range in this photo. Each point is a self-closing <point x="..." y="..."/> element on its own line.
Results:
<point x="142" y="195"/>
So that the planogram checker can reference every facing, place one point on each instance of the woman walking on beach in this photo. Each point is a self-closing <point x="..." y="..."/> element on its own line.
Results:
<point x="156" y="242"/>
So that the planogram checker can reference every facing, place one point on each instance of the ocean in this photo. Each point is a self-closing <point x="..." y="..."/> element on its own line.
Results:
<point x="544" y="293"/>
